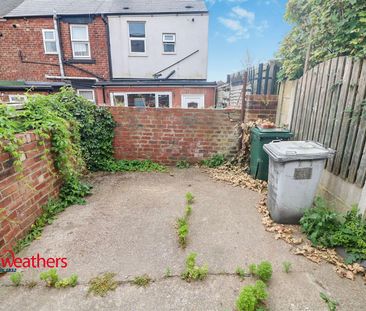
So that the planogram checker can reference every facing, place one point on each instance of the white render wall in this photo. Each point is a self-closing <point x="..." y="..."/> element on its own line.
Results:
<point x="191" y="35"/>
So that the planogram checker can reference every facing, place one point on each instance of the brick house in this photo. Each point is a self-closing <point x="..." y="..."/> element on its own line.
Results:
<point x="117" y="52"/>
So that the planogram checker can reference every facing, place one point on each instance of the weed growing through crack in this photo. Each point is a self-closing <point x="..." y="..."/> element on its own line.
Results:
<point x="16" y="278"/>
<point x="240" y="272"/>
<point x="251" y="297"/>
<point x="194" y="272"/>
<point x="188" y="211"/>
<point x="182" y="229"/>
<point x="263" y="270"/>
<point x="52" y="279"/>
<point x="142" y="281"/>
<point x="101" y="285"/>
<point x="287" y="266"/>
<point x="31" y="284"/>
<point x="189" y="198"/>
<point x="331" y="303"/>
<point x="168" y="273"/>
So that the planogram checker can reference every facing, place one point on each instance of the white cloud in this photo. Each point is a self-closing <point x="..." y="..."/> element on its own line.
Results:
<point x="239" y="31"/>
<point x="241" y="13"/>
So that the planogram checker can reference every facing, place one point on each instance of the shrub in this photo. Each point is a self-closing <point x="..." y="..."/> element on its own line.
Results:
<point x="194" y="272"/>
<point x="214" y="161"/>
<point x="251" y="297"/>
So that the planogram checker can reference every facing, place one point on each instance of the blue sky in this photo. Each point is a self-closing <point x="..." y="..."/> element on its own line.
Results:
<point x="239" y="28"/>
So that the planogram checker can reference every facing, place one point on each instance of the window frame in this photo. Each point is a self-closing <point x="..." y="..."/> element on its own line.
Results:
<point x="86" y="90"/>
<point x="125" y="94"/>
<point x="86" y="26"/>
<point x="48" y="40"/>
<point x="12" y="98"/>
<point x="136" y="39"/>
<point x="169" y="42"/>
<point x="200" y="106"/>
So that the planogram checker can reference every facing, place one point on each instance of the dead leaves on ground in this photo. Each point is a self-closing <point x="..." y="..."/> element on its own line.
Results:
<point x="291" y="234"/>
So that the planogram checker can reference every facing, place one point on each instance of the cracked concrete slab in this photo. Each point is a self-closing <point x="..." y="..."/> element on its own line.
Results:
<point x="127" y="228"/>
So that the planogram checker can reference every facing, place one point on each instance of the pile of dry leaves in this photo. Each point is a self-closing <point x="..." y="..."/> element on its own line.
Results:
<point x="291" y="234"/>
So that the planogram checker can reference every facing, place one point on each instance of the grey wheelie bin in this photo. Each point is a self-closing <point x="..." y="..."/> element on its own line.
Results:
<point x="295" y="168"/>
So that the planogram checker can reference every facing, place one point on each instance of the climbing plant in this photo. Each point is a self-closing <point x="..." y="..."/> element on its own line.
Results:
<point x="327" y="28"/>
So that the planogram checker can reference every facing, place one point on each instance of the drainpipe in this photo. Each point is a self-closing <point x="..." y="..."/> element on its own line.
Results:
<point x="62" y="73"/>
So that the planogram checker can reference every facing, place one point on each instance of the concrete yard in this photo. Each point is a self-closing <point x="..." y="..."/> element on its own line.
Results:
<point x="128" y="227"/>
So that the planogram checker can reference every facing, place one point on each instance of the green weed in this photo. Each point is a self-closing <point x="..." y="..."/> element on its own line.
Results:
<point x="192" y="271"/>
<point x="101" y="285"/>
<point x="182" y="164"/>
<point x="332" y="304"/>
<point x="16" y="278"/>
<point x="240" y="272"/>
<point x="214" y="161"/>
<point x="189" y="198"/>
<point x="142" y="281"/>
<point x="287" y="266"/>
<point x="182" y="230"/>
<point x="263" y="270"/>
<point x="252" y="296"/>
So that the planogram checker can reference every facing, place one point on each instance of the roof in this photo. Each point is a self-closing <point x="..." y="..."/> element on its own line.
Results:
<point x="8" y="5"/>
<point x="26" y="85"/>
<point x="85" y="7"/>
<point x="157" y="82"/>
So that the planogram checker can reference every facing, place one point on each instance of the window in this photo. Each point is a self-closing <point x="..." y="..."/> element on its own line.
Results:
<point x="17" y="99"/>
<point x="137" y="37"/>
<point x="49" y="41"/>
<point x="80" y="41"/>
<point x="150" y="100"/>
<point x="88" y="94"/>
<point x="193" y="101"/>
<point x="169" y="42"/>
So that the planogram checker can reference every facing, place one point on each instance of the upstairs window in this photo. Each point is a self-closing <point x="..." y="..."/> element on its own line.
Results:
<point x="80" y="41"/>
<point x="169" y="42"/>
<point x="137" y="37"/>
<point x="49" y="41"/>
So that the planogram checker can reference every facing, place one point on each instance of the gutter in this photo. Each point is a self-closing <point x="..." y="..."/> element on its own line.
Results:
<point x="57" y="32"/>
<point x="70" y="78"/>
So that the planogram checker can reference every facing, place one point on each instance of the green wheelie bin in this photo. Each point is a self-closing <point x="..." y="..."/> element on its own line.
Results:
<point x="258" y="158"/>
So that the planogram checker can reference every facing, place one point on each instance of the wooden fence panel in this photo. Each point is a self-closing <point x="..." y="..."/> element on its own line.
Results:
<point x="350" y="162"/>
<point x="330" y="107"/>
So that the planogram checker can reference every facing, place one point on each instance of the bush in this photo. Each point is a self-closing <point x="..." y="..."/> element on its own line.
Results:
<point x="252" y="296"/>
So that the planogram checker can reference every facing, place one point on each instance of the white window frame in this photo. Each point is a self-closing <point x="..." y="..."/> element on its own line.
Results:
<point x="49" y="40"/>
<point x="80" y="41"/>
<point x="201" y="106"/>
<point x="125" y="94"/>
<point x="87" y="90"/>
<point x="170" y="41"/>
<point x="14" y="98"/>
<point x="136" y="38"/>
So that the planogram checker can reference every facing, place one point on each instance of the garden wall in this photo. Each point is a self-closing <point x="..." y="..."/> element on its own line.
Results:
<point x="169" y="135"/>
<point x="22" y="194"/>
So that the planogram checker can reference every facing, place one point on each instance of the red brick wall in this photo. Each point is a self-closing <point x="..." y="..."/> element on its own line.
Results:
<point x="23" y="194"/>
<point x="177" y="92"/>
<point x="25" y="35"/>
<point x="261" y="107"/>
<point x="169" y="135"/>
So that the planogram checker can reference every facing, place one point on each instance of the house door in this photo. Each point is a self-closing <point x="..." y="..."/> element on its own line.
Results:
<point x="193" y="101"/>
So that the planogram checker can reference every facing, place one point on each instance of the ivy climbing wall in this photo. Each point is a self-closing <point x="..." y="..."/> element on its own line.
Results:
<point x="23" y="193"/>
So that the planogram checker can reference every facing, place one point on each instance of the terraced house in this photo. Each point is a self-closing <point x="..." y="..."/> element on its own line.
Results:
<point x="118" y="52"/>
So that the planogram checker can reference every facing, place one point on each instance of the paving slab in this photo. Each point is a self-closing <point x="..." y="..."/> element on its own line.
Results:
<point x="128" y="227"/>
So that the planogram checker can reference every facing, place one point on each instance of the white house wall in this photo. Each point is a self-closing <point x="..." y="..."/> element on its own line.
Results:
<point x="191" y="35"/>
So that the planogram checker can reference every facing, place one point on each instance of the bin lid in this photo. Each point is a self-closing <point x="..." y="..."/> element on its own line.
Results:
<point x="269" y="132"/>
<point x="285" y="151"/>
